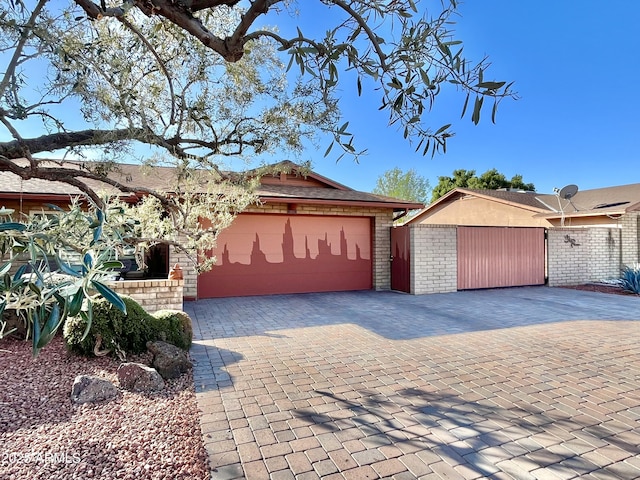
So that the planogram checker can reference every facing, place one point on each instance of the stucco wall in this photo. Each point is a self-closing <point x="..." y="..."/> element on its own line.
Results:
<point x="434" y="264"/>
<point x="382" y="220"/>
<point x="474" y="211"/>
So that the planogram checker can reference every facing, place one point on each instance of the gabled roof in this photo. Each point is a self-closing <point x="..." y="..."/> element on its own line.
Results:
<point x="519" y="199"/>
<point x="293" y="184"/>
<point x="600" y="201"/>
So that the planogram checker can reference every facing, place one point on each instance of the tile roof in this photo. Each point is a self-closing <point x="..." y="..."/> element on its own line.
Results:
<point x="163" y="179"/>
<point x="599" y="201"/>
<point x="529" y="199"/>
<point x="284" y="192"/>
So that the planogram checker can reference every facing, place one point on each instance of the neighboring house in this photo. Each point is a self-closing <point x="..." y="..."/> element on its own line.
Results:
<point x="603" y="207"/>
<point x="496" y="238"/>
<point x="309" y="233"/>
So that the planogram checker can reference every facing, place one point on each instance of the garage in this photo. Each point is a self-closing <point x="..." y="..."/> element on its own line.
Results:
<point x="264" y="254"/>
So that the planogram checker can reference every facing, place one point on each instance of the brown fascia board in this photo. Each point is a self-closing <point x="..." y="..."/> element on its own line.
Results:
<point x="396" y="206"/>
<point x="59" y="197"/>
<point x="52" y="197"/>
<point x="294" y="167"/>
<point x="585" y="213"/>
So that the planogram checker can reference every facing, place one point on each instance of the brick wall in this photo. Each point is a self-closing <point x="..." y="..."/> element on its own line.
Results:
<point x="605" y="253"/>
<point x="434" y="260"/>
<point x="581" y="255"/>
<point x="188" y="272"/>
<point x="153" y="295"/>
<point x="382" y="220"/>
<point x="630" y="238"/>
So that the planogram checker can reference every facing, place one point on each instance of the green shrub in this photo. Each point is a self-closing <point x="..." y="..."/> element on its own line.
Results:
<point x="630" y="280"/>
<point x="175" y="326"/>
<point x="127" y="333"/>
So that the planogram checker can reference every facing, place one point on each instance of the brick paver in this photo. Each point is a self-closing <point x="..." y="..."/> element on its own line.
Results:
<point x="517" y="383"/>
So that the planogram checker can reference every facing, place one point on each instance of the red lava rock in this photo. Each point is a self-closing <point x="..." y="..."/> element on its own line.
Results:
<point x="114" y="440"/>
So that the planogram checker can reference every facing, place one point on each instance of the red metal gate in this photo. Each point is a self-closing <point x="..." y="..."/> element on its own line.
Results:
<point x="400" y="259"/>
<point x="490" y="257"/>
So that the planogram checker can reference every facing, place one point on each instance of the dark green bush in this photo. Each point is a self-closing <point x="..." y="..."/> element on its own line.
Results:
<point x="175" y="326"/>
<point x="127" y="333"/>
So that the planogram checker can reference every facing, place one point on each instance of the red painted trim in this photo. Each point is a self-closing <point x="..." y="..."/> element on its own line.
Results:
<point x="345" y="203"/>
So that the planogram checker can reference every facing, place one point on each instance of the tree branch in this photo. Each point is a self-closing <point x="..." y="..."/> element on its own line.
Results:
<point x="177" y="13"/>
<point x="17" y="53"/>
<point x="365" y="26"/>
<point x="56" y="141"/>
<point x="161" y="64"/>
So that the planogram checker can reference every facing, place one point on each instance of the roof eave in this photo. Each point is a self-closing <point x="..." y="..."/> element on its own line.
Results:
<point x="589" y="213"/>
<point x="396" y="206"/>
<point x="431" y="206"/>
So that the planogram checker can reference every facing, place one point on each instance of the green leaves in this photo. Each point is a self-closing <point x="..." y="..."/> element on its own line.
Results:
<point x="43" y="287"/>
<point x="76" y="302"/>
<point x="20" y="227"/>
<point x="109" y="295"/>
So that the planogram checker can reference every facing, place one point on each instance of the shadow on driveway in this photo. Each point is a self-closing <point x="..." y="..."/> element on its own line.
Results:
<point x="399" y="316"/>
<point x="524" y="383"/>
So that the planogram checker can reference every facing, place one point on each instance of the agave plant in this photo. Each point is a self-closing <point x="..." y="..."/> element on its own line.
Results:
<point x="630" y="279"/>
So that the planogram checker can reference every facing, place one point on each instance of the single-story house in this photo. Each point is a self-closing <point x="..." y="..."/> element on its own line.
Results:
<point x="497" y="238"/>
<point x="307" y="234"/>
<point x="603" y="207"/>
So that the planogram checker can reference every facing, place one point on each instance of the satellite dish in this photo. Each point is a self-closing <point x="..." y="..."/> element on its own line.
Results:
<point x="568" y="192"/>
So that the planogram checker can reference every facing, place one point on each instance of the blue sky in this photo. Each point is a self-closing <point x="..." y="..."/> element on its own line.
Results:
<point x="575" y="66"/>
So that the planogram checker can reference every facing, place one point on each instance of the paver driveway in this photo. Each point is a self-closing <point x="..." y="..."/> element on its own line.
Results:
<point x="516" y="383"/>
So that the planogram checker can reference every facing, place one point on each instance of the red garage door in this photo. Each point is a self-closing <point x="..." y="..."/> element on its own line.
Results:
<point x="264" y="254"/>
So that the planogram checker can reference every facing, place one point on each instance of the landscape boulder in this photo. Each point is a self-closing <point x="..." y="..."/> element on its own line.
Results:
<point x="89" y="389"/>
<point x="169" y="360"/>
<point x="137" y="377"/>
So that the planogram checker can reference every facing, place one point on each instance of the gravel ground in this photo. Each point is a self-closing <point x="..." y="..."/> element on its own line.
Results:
<point x="601" y="288"/>
<point x="134" y="436"/>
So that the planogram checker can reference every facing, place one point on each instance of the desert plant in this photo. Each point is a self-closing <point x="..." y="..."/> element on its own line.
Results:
<point x="38" y="284"/>
<point x="630" y="279"/>
<point x="112" y="331"/>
